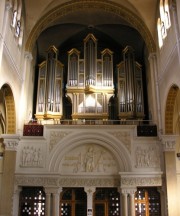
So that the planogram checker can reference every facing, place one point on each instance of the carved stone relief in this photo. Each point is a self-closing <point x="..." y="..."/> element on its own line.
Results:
<point x="31" y="157"/>
<point x="55" y="137"/>
<point x="89" y="159"/>
<point x="141" y="181"/>
<point x="147" y="157"/>
<point x="124" y="137"/>
<point x="65" y="182"/>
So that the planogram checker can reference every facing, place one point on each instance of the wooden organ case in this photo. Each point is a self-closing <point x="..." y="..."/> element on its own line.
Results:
<point x="50" y="81"/>
<point x="90" y="84"/>
<point x="130" y="87"/>
<point x="90" y="81"/>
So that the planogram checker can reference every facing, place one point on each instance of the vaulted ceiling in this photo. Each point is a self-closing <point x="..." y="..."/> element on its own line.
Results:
<point x="68" y="30"/>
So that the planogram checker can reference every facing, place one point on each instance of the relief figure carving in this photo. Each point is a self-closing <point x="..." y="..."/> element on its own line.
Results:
<point x="31" y="157"/>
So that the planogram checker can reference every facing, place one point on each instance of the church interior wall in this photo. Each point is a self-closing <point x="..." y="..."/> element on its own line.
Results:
<point x="60" y="154"/>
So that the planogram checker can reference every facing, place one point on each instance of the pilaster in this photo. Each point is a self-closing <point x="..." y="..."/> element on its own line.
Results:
<point x="11" y="142"/>
<point x="16" y="194"/>
<point x="155" y="90"/>
<point x="25" y="93"/>
<point x="169" y="144"/>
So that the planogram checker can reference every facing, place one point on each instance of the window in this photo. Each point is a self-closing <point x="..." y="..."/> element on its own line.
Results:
<point x="18" y="28"/>
<point x="14" y="19"/>
<point x="73" y="202"/>
<point x="106" y="202"/>
<point x="164" y="22"/>
<point x="147" y="202"/>
<point x="17" y="21"/>
<point x="32" y="201"/>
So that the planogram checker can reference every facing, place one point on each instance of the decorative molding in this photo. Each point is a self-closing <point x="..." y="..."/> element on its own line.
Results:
<point x="140" y="181"/>
<point x="125" y="137"/>
<point x="128" y="191"/>
<point x="55" y="137"/>
<point x="168" y="142"/>
<point x="11" y="61"/>
<point x="128" y="184"/>
<point x="10" y="141"/>
<point x="65" y="181"/>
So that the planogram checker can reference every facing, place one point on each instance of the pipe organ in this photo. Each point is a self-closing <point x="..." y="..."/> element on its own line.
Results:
<point x="50" y="80"/>
<point x="90" y="84"/>
<point x="130" y="87"/>
<point x="90" y="81"/>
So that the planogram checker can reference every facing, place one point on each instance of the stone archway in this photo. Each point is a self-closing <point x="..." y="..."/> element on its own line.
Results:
<point x="8" y="112"/>
<point x="78" y="146"/>
<point x="169" y="112"/>
<point x="105" y="6"/>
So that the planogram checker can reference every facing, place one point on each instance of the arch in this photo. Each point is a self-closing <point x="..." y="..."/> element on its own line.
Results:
<point x="106" y="6"/>
<point x="10" y="115"/>
<point x="105" y="140"/>
<point x="170" y="103"/>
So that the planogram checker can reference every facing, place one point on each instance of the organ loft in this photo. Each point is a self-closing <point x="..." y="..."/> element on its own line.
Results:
<point x="92" y="82"/>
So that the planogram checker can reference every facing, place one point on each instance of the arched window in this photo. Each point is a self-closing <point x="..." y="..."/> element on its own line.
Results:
<point x="18" y="28"/>
<point x="16" y="22"/>
<point x="160" y="38"/>
<point x="167" y="14"/>
<point x="164" y="22"/>
<point x="14" y="19"/>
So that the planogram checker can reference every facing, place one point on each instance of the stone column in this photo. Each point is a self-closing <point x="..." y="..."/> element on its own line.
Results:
<point x="169" y="143"/>
<point x="56" y="201"/>
<point x="89" y="191"/>
<point x="17" y="191"/>
<point x="124" y="202"/>
<point x="26" y="94"/>
<point x="155" y="90"/>
<point x="132" y="203"/>
<point x="163" y="197"/>
<point x="48" y="202"/>
<point x="11" y="143"/>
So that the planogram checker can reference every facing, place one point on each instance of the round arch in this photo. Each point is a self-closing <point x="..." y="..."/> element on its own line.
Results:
<point x="106" y="141"/>
<point x="169" y="112"/>
<point x="9" y="114"/>
<point x="74" y="6"/>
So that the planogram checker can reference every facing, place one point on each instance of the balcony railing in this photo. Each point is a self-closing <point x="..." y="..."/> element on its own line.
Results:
<point x="144" y="128"/>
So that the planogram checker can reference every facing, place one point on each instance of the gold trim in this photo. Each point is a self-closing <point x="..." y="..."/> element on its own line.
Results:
<point x="90" y="36"/>
<point x="74" y="50"/>
<point x="169" y="112"/>
<point x="93" y="116"/>
<point x="10" y="108"/>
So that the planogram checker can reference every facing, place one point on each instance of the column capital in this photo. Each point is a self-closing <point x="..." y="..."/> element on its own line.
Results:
<point x="89" y="190"/>
<point x="128" y="190"/>
<point x="152" y="55"/>
<point x="28" y="55"/>
<point x="168" y="142"/>
<point x="8" y="5"/>
<point x="53" y="190"/>
<point x="10" y="141"/>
